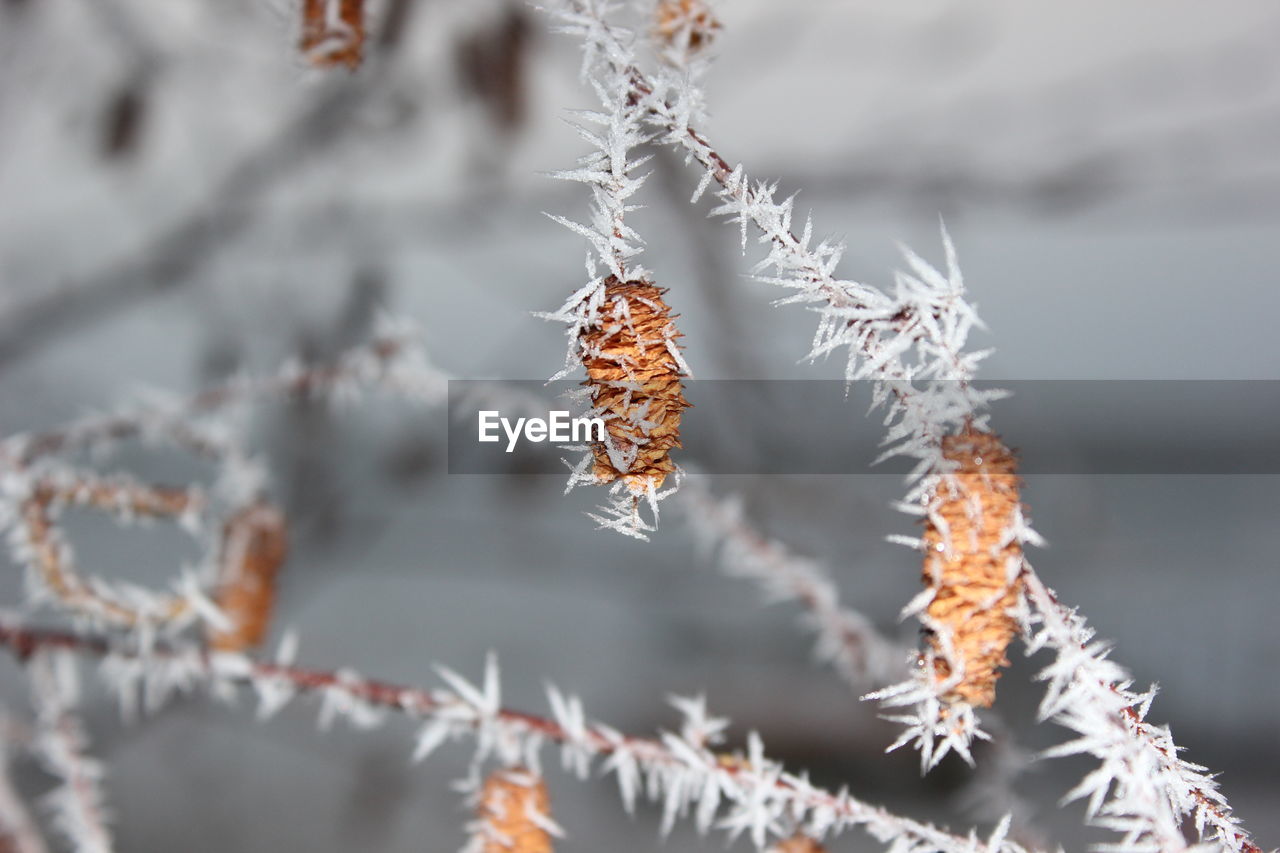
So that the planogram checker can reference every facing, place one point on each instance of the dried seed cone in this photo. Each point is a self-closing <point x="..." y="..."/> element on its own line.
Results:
<point x="255" y="543"/>
<point x="333" y="32"/>
<point x="507" y="801"/>
<point x="967" y="562"/>
<point x="799" y="844"/>
<point x="673" y="16"/>
<point x="635" y="380"/>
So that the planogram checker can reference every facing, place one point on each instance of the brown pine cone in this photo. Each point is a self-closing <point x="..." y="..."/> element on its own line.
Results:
<point x="255" y="543"/>
<point x="967" y="563"/>
<point x="328" y="41"/>
<point x="634" y="378"/>
<point x="506" y="802"/>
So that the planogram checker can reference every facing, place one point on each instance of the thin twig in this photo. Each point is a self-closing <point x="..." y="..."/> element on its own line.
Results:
<point x="748" y="793"/>
<point x="79" y="804"/>
<point x="863" y="656"/>
<point x="38" y="543"/>
<point x="18" y="830"/>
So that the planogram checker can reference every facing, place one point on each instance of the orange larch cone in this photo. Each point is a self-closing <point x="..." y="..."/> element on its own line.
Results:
<point x="333" y="32"/>
<point x="254" y="547"/>
<point x="673" y="18"/>
<point x="513" y="811"/>
<point x="969" y="560"/>
<point x="799" y="843"/>
<point x="634" y="377"/>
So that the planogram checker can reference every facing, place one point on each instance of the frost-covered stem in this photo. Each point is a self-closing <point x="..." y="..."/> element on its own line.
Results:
<point x="18" y="830"/>
<point x="37" y="543"/>
<point x="78" y="805"/>
<point x="1154" y="788"/>
<point x="34" y="485"/>
<point x="1142" y="788"/>
<point x="738" y="793"/>
<point x="911" y="343"/>
<point x="121" y="496"/>
<point x="607" y="170"/>
<point x="682" y="31"/>
<point x="863" y="656"/>
<point x="876" y="328"/>
<point x="391" y="359"/>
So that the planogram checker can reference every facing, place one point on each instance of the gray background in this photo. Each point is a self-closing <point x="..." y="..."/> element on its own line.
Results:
<point x="1109" y="171"/>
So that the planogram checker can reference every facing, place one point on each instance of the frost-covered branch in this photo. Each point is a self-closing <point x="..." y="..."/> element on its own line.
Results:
<point x="847" y="639"/>
<point x="1142" y="788"/>
<point x="738" y="793"/>
<point x="617" y="325"/>
<point x="35" y="541"/>
<point x="18" y="830"/>
<point x="35" y="484"/>
<point x="912" y="343"/>
<point x="916" y="334"/>
<point x="392" y="359"/>
<point x="78" y="804"/>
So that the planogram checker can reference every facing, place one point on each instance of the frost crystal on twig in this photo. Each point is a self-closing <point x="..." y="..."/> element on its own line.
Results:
<point x="19" y="832"/>
<point x="1141" y="788"/>
<point x="847" y="639"/>
<point x="36" y="483"/>
<point x="737" y="793"/>
<point x="392" y="360"/>
<point x="36" y="542"/>
<point x="78" y="804"/>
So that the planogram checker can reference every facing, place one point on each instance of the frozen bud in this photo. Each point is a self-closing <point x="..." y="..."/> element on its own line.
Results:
<point x="798" y="843"/>
<point x="687" y="24"/>
<point x="333" y="32"/>
<point x="254" y="546"/>
<point x="514" y="814"/>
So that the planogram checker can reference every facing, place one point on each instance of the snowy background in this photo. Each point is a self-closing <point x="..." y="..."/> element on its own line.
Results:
<point x="180" y="197"/>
